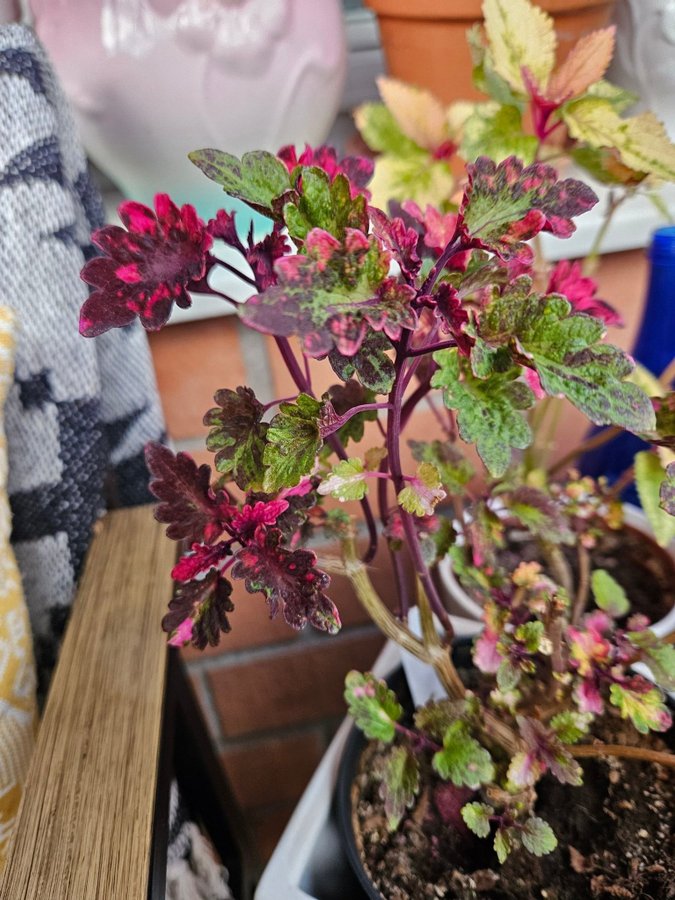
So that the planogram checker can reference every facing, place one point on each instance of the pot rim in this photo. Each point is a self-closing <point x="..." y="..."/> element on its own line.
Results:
<point x="633" y="516"/>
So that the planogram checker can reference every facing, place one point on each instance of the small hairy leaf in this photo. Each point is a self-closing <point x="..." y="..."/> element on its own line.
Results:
<point x="462" y="759"/>
<point x="400" y="784"/>
<point x="380" y="130"/>
<point x="538" y="837"/>
<point x="372" y="705"/>
<point x="489" y="410"/>
<point x="188" y="506"/>
<point x="496" y="131"/>
<point x="434" y="717"/>
<point x="661" y="660"/>
<point x="237" y="436"/>
<point x="293" y="440"/>
<point x="507" y="204"/>
<point x="258" y="178"/>
<point x="609" y="595"/>
<point x="347" y="481"/>
<point x="505" y="841"/>
<point x="649" y="477"/>
<point x="289" y="580"/>
<point x="421" y="495"/>
<point x="454" y="469"/>
<point x="477" y="818"/>
<point x="540" y="514"/>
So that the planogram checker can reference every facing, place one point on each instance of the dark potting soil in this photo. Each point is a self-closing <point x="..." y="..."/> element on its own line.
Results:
<point x="643" y="569"/>
<point x="615" y="838"/>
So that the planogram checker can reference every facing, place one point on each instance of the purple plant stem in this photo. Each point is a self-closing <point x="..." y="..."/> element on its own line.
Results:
<point x="301" y="384"/>
<point x="394" y="454"/>
<point x="237" y="272"/>
<point x="431" y="348"/>
<point x="418" y="740"/>
<point x="420" y="391"/>
<point x="453" y="246"/>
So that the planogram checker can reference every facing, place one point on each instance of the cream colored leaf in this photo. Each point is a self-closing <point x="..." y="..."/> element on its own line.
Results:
<point x="418" y="114"/>
<point x="417" y="178"/>
<point x="520" y="35"/>
<point x="641" y="141"/>
<point x="585" y="64"/>
<point x="456" y="115"/>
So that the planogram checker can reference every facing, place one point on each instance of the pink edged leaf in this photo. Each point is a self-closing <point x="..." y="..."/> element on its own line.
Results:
<point x="145" y="269"/>
<point x="638" y="700"/>
<point x="187" y="503"/>
<point x="507" y="204"/>
<point x="198" y="612"/>
<point x="200" y="560"/>
<point x="423" y="491"/>
<point x="262" y="256"/>
<point x="396" y="236"/>
<point x="358" y="169"/>
<point x="452" y="315"/>
<point x="289" y="580"/>
<point x="330" y="295"/>
<point x="547" y="753"/>
<point x="237" y="436"/>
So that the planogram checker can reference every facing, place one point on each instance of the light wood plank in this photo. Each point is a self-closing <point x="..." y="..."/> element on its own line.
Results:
<point x="84" y="829"/>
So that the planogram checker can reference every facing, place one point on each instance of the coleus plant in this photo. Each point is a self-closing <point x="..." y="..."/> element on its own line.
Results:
<point x="536" y="110"/>
<point x="408" y="306"/>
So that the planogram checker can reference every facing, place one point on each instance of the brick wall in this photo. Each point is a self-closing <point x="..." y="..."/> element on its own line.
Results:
<point x="273" y="697"/>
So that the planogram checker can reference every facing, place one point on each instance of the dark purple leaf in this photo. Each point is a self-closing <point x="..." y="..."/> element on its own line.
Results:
<point x="188" y="505"/>
<point x="262" y="256"/>
<point x="198" y="612"/>
<point x="289" y="580"/>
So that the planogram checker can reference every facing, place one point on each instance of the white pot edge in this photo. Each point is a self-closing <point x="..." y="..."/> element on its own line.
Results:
<point x="467" y="607"/>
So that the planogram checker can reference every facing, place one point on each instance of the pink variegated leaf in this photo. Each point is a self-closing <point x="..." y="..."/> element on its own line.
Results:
<point x="396" y="236"/>
<point x="486" y="655"/>
<point x="330" y="295"/>
<point x="200" y="560"/>
<point x="289" y="579"/>
<point x="507" y="204"/>
<point x="198" y="612"/>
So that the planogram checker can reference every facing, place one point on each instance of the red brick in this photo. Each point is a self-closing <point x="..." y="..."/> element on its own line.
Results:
<point x="192" y="361"/>
<point x="277" y="770"/>
<point x="303" y="685"/>
<point x="267" y="826"/>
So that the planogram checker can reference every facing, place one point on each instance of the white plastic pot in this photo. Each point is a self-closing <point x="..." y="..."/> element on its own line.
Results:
<point x="461" y="604"/>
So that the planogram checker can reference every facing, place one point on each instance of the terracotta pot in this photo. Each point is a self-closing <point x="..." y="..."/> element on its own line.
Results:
<point x="425" y="41"/>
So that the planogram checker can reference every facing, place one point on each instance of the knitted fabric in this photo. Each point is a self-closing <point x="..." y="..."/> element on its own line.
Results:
<point x="79" y="411"/>
<point x="18" y="714"/>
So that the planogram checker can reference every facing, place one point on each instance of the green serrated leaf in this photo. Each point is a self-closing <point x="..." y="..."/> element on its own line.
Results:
<point x="644" y="707"/>
<point x="609" y="595"/>
<point x="293" y="440"/>
<point x="530" y="634"/>
<point x="454" y="469"/>
<point x="400" y="784"/>
<point x="477" y="818"/>
<point x="258" y="178"/>
<point x="347" y="481"/>
<point x="379" y="129"/>
<point x="324" y="204"/>
<point x="417" y="177"/>
<point x="462" y="759"/>
<point x="372" y="365"/>
<point x="649" y="477"/>
<point x="505" y="839"/>
<point x="237" y="436"/>
<point x="661" y="660"/>
<point x="566" y="352"/>
<point x="421" y="495"/>
<point x="372" y="705"/>
<point x="538" y="837"/>
<point x="570" y="726"/>
<point x="435" y="717"/>
<point x="497" y="132"/>
<point x="489" y="411"/>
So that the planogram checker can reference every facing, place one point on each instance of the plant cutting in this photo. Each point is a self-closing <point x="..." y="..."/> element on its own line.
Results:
<point x="441" y="306"/>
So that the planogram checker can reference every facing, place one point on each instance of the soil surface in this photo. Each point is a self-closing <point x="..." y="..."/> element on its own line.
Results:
<point x="615" y="838"/>
<point x="643" y="569"/>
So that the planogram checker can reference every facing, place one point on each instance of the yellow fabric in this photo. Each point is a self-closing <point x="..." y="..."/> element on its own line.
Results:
<point x="18" y="715"/>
